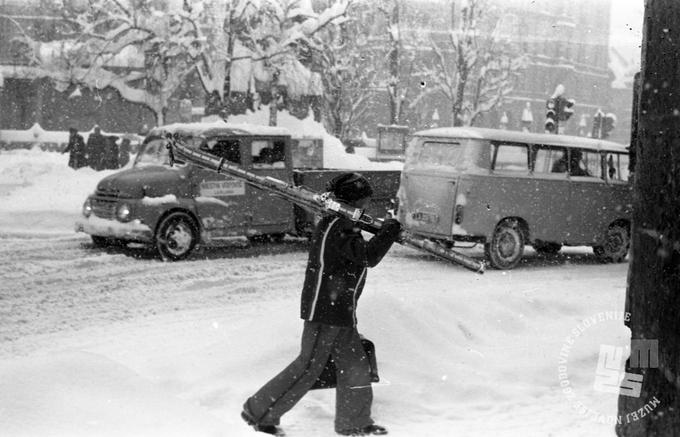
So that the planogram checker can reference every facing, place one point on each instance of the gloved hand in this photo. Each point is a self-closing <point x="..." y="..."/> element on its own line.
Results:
<point x="391" y="227"/>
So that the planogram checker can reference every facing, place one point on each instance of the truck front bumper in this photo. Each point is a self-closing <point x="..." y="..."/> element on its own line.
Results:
<point x="134" y="230"/>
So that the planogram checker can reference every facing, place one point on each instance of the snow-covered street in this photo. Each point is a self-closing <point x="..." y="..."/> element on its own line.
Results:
<point x="114" y="342"/>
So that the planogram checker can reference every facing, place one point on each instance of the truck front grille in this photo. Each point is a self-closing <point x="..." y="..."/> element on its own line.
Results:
<point x="107" y="192"/>
<point x="104" y="208"/>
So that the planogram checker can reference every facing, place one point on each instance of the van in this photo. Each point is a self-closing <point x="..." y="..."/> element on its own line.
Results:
<point x="508" y="189"/>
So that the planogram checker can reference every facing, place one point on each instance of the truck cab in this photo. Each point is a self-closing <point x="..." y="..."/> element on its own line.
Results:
<point x="177" y="207"/>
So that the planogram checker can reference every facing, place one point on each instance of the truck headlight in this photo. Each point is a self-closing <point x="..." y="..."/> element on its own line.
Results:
<point x="87" y="208"/>
<point x="123" y="212"/>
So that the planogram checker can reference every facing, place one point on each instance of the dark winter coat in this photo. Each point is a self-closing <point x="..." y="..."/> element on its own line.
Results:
<point x="76" y="151"/>
<point x="336" y="269"/>
<point x="110" y="155"/>
<point x="96" y="143"/>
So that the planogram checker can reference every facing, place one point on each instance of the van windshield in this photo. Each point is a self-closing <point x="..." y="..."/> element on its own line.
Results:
<point x="446" y="154"/>
<point x="434" y="154"/>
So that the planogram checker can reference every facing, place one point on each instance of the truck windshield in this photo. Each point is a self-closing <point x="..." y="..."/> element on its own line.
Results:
<point x="153" y="153"/>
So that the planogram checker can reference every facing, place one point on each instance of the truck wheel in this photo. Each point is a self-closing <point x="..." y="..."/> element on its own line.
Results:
<point x="616" y="244"/>
<point x="99" y="241"/>
<point x="547" y="248"/>
<point x="507" y="245"/>
<point x="176" y="236"/>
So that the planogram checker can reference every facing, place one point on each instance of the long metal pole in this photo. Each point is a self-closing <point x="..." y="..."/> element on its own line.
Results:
<point x="316" y="202"/>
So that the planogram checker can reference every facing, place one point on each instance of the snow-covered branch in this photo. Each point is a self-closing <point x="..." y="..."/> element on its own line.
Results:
<point x="473" y="72"/>
<point x="140" y="50"/>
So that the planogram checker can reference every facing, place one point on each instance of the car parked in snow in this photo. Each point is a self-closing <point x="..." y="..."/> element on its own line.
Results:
<point x="506" y="189"/>
<point x="175" y="208"/>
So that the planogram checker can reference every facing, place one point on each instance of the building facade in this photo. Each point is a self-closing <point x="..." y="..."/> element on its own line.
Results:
<point x="566" y="43"/>
<point x="26" y="98"/>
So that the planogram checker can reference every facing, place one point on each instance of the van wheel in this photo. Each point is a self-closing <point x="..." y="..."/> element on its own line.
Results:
<point x="176" y="236"/>
<point x="616" y="244"/>
<point x="277" y="237"/>
<point x="507" y="245"/>
<point x="547" y="248"/>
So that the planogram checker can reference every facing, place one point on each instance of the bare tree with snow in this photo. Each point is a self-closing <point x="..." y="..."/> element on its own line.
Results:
<point x="475" y="66"/>
<point x="347" y="81"/>
<point x="285" y="30"/>
<point x="341" y="55"/>
<point x="225" y="25"/>
<point x="137" y="47"/>
<point x="395" y="85"/>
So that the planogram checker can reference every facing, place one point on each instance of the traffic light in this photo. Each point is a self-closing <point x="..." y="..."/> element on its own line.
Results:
<point x="603" y="124"/>
<point x="551" y="119"/>
<point x="558" y="109"/>
<point x="608" y="124"/>
<point x="566" y="108"/>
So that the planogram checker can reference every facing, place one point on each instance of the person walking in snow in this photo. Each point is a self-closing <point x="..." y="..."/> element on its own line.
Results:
<point x="334" y="279"/>
<point x="75" y="149"/>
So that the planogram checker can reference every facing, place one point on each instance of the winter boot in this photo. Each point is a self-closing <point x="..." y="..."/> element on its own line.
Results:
<point x="267" y="429"/>
<point x="366" y="430"/>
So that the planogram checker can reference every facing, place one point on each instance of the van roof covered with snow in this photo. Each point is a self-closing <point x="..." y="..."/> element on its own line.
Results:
<point x="522" y="137"/>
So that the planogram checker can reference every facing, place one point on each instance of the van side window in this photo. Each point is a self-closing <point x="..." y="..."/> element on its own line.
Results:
<point x="585" y="163"/>
<point x="511" y="157"/>
<point x="616" y="167"/>
<point x="550" y="160"/>
<point x="268" y="154"/>
<point x="224" y="148"/>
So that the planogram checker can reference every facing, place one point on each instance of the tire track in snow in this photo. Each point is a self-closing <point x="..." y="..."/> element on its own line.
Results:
<point x="50" y="285"/>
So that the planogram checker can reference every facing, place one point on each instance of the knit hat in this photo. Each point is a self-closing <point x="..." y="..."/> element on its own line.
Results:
<point x="349" y="187"/>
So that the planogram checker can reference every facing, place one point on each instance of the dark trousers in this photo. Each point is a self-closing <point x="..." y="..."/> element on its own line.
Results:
<point x="353" y="393"/>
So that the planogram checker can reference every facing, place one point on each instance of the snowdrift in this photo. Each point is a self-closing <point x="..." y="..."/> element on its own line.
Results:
<point x="80" y="393"/>
<point x="41" y="182"/>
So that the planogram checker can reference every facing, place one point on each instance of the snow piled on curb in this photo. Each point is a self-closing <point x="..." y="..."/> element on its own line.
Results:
<point x="40" y="193"/>
<point x="43" y="181"/>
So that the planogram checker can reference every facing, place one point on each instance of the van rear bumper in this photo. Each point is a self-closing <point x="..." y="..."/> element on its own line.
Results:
<point x="131" y="231"/>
